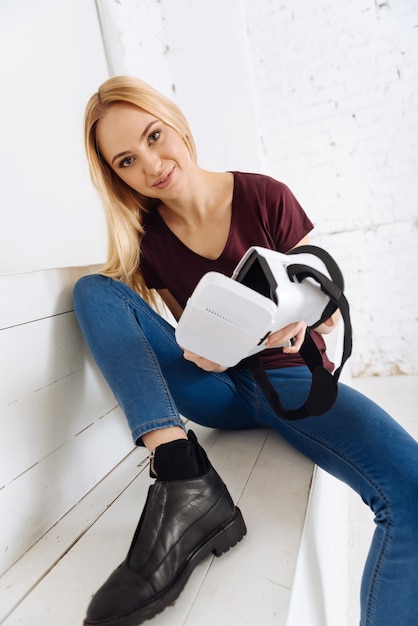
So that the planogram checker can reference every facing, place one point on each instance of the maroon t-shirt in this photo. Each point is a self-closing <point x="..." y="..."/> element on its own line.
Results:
<point x="264" y="213"/>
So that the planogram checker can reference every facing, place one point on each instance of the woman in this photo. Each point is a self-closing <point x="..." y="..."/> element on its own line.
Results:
<point x="170" y="222"/>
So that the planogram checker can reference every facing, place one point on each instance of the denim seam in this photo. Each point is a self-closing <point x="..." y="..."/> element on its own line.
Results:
<point x="155" y="317"/>
<point x="174" y="414"/>
<point x="373" y="587"/>
<point x="167" y="397"/>
<point x="260" y="402"/>
<point x="147" y="427"/>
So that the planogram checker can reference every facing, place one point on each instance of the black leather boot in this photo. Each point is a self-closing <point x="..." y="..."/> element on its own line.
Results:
<point x="183" y="521"/>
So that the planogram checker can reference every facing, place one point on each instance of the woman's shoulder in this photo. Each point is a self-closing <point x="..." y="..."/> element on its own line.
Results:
<point x="259" y="181"/>
<point x="262" y="187"/>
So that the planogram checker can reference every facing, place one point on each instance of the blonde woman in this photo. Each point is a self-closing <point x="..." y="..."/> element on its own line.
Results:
<point x="169" y="222"/>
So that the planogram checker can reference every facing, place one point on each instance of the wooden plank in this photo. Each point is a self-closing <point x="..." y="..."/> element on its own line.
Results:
<point x="32" y="503"/>
<point x="42" y="422"/>
<point x="35" y="295"/>
<point x="35" y="564"/>
<point x="34" y="355"/>
<point x="253" y="584"/>
<point x="220" y="590"/>
<point x="55" y="409"/>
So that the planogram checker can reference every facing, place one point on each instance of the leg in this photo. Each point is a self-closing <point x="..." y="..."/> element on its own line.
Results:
<point x="120" y="348"/>
<point x="138" y="355"/>
<point x="355" y="441"/>
<point x="363" y="446"/>
<point x="189" y="512"/>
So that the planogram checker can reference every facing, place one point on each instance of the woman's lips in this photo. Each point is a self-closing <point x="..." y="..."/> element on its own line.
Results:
<point x="164" y="180"/>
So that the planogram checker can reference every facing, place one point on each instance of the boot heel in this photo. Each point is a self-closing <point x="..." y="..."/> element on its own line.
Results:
<point x="230" y="535"/>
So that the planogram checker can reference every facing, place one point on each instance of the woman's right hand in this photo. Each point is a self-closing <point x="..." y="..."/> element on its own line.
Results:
<point x="291" y="337"/>
<point x="204" y="364"/>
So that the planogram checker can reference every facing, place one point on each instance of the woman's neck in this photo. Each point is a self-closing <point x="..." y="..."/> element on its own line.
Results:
<point x="205" y="196"/>
<point x="202" y="219"/>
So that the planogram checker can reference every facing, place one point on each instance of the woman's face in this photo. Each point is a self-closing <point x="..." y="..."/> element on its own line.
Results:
<point x="145" y="153"/>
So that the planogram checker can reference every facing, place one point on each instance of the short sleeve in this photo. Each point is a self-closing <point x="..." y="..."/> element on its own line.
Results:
<point x="287" y="221"/>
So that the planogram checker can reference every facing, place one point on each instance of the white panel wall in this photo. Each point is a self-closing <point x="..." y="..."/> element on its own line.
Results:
<point x="61" y="428"/>
<point x="319" y="592"/>
<point x="196" y="53"/>
<point x="323" y="96"/>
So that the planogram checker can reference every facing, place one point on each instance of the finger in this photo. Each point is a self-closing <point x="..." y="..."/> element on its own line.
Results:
<point x="298" y="340"/>
<point x="190" y="356"/>
<point x="286" y="336"/>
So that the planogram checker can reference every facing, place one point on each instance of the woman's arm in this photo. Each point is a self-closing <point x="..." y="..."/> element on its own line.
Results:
<point x="294" y="333"/>
<point x="170" y="301"/>
<point x="329" y="324"/>
<point x="303" y="242"/>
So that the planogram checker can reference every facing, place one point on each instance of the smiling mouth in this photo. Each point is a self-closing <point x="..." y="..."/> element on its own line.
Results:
<point x="163" y="180"/>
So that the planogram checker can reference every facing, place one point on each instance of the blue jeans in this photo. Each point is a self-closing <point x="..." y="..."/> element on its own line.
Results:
<point x="356" y="441"/>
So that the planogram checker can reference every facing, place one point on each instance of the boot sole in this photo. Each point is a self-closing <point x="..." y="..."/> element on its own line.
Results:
<point x="220" y="542"/>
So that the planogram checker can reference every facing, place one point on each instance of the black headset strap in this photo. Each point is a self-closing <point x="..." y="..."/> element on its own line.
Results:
<point x="322" y="394"/>
<point x="324" y="388"/>
<point x="337" y="297"/>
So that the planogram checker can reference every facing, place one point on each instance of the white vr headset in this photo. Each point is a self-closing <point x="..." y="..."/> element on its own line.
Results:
<point x="227" y="319"/>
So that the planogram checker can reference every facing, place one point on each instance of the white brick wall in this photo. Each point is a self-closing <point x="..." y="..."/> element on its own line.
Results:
<point x="321" y="95"/>
<point x="336" y="88"/>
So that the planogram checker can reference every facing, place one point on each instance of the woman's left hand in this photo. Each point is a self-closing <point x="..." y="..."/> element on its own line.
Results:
<point x="294" y="333"/>
<point x="204" y="364"/>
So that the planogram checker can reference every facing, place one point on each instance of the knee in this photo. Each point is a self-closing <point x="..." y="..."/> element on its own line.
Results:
<point x="404" y="503"/>
<point x="89" y="297"/>
<point x="95" y="304"/>
<point x="87" y="288"/>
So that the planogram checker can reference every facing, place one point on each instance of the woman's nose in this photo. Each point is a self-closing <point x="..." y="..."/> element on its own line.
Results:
<point x="152" y="163"/>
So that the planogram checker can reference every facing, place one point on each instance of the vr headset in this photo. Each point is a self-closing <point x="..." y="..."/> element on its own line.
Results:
<point x="228" y="319"/>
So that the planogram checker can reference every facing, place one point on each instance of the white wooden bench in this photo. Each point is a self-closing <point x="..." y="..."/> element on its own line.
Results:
<point x="72" y="487"/>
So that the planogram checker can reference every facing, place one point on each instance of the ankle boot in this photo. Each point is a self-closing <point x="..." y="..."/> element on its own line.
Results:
<point x="183" y="521"/>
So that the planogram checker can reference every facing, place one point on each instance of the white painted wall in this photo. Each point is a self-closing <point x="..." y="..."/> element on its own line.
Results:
<point x="336" y="87"/>
<point x="60" y="429"/>
<point x="323" y="96"/>
<point x="51" y="60"/>
<point x="319" y="592"/>
<point x="196" y="53"/>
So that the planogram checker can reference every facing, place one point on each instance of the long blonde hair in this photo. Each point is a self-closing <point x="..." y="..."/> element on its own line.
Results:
<point x="125" y="208"/>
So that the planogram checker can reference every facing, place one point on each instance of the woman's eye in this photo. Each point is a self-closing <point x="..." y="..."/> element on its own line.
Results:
<point x="126" y="162"/>
<point x="154" y="136"/>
